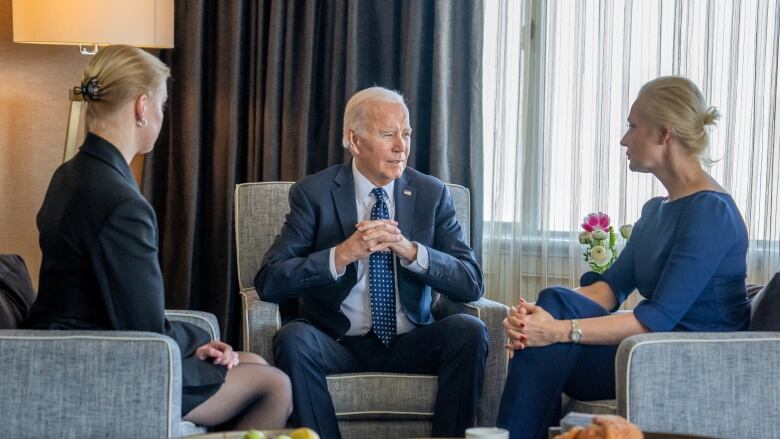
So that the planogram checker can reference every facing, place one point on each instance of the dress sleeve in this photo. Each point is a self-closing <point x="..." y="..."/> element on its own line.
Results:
<point x="706" y="231"/>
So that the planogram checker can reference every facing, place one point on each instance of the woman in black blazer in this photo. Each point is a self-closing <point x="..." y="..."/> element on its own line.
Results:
<point x="98" y="236"/>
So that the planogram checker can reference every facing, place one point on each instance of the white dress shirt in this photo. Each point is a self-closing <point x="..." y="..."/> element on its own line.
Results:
<point x="357" y="305"/>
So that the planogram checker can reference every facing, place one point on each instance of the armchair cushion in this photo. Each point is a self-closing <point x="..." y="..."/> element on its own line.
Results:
<point x="382" y="396"/>
<point x="716" y="384"/>
<point x="75" y="384"/>
<point x="204" y="320"/>
<point x="765" y="307"/>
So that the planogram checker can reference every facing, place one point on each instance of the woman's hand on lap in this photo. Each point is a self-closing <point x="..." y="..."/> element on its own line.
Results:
<point x="222" y="353"/>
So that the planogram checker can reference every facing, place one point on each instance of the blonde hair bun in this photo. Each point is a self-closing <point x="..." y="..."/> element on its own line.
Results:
<point x="118" y="73"/>
<point x="675" y="101"/>
<point x="710" y="116"/>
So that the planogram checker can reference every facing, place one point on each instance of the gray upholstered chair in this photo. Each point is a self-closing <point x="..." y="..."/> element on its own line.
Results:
<point x="94" y="384"/>
<point x="376" y="405"/>
<point x="719" y="384"/>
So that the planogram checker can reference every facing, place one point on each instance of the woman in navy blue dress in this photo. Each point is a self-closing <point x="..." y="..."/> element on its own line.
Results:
<point x="686" y="257"/>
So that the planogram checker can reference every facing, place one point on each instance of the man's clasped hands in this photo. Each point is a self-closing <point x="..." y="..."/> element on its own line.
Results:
<point x="373" y="236"/>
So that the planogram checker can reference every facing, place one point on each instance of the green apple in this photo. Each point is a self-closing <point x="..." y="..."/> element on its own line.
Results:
<point x="254" y="434"/>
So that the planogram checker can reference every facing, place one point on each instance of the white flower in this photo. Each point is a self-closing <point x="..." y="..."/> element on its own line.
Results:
<point x="600" y="235"/>
<point x="585" y="237"/>
<point x="600" y="255"/>
<point x="625" y="230"/>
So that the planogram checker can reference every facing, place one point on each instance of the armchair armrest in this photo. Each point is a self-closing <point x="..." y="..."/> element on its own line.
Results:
<point x="261" y="321"/>
<point x="89" y="384"/>
<point x="492" y="314"/>
<point x="718" y="384"/>
<point x="204" y="320"/>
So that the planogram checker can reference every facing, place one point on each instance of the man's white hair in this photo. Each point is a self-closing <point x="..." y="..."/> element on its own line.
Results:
<point x="356" y="108"/>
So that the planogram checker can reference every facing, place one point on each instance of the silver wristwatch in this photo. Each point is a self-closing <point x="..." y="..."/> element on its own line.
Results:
<point x="576" y="333"/>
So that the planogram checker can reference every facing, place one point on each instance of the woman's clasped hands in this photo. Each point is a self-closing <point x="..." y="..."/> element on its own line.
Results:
<point x="529" y="325"/>
<point x="222" y="353"/>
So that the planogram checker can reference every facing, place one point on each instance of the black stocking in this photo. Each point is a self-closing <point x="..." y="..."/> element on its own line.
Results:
<point x="254" y="395"/>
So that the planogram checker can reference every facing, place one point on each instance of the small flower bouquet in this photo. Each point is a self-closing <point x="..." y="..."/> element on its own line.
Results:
<point x="599" y="236"/>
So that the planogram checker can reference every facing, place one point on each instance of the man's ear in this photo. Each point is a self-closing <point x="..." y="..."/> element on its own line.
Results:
<point x="353" y="142"/>
<point x="140" y="107"/>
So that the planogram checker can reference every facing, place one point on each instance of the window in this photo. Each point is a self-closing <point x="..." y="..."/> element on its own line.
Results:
<point x="559" y="78"/>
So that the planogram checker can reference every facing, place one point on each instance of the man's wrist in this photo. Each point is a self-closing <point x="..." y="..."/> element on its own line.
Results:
<point x="339" y="259"/>
<point x="413" y="252"/>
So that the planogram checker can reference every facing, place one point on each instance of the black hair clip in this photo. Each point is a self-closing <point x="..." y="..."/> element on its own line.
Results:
<point x="91" y="89"/>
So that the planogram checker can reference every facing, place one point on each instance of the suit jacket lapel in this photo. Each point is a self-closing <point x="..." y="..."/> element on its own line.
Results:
<point x="405" y="197"/>
<point x="344" y="199"/>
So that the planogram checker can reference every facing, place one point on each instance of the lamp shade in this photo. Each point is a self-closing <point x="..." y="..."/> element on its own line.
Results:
<point x="142" y="23"/>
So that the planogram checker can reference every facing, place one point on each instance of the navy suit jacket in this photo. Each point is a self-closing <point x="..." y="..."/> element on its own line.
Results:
<point x="323" y="214"/>
<point x="99" y="269"/>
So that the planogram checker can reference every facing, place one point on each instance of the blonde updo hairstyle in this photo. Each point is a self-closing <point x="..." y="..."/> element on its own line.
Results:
<point x="675" y="101"/>
<point x="355" y="111"/>
<point x="119" y="73"/>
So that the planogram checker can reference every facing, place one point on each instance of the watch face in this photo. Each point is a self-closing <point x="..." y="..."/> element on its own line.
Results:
<point x="576" y="336"/>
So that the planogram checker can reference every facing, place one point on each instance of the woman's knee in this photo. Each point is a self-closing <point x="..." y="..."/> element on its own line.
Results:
<point x="278" y="380"/>
<point x="564" y="303"/>
<point x="251" y="358"/>
<point x="277" y="385"/>
<point x="553" y="295"/>
<point x="265" y="380"/>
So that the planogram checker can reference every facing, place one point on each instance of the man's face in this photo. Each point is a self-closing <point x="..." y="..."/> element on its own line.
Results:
<point x="381" y="148"/>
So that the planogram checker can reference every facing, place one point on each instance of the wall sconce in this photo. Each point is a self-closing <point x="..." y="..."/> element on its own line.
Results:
<point x="90" y="24"/>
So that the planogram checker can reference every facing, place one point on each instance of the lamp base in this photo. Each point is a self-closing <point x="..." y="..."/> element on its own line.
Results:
<point x="73" y="125"/>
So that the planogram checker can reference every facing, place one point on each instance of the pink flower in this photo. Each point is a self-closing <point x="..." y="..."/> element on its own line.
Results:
<point x="596" y="221"/>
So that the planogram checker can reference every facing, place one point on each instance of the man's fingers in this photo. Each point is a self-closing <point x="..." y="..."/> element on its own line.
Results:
<point x="380" y="247"/>
<point x="371" y="224"/>
<point x="379" y="231"/>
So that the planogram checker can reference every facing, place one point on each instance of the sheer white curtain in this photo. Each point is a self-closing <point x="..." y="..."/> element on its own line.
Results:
<point x="560" y="77"/>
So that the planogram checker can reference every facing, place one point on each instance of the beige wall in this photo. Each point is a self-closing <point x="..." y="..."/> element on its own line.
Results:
<point x="34" y="82"/>
<point x="34" y="105"/>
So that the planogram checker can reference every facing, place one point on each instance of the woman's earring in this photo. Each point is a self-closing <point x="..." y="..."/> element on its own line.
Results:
<point x="141" y="123"/>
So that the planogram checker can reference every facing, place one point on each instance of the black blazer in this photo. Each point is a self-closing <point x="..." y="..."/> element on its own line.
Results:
<point x="100" y="268"/>
<point x="323" y="214"/>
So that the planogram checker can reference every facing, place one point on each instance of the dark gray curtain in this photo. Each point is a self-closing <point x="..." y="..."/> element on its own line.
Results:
<point x="258" y="94"/>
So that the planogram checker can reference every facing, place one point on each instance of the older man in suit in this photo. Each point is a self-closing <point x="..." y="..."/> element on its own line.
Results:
<point x="361" y="249"/>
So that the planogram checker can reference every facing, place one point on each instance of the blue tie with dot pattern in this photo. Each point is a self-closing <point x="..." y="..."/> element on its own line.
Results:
<point x="381" y="280"/>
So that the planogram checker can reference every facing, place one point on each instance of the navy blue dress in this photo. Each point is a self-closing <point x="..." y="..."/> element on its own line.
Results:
<point x="687" y="258"/>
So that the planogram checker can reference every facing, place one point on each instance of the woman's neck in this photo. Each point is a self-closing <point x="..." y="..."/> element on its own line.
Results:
<point x="686" y="177"/>
<point x="121" y="139"/>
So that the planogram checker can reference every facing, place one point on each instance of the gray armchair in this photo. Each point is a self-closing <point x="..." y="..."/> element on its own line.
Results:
<point x="94" y="384"/>
<point x="714" y="384"/>
<point x="377" y="405"/>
